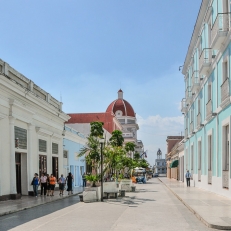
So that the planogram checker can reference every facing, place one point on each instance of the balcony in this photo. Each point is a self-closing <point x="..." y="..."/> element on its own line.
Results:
<point x="195" y="82"/>
<point x="205" y="61"/>
<point x="209" y="110"/>
<point x="225" y="99"/>
<point x="128" y="135"/>
<point x="191" y="127"/>
<point x="183" y="106"/>
<point x="220" y="30"/>
<point x="199" y="120"/>
<point x="225" y="179"/>
<point x="188" y="96"/>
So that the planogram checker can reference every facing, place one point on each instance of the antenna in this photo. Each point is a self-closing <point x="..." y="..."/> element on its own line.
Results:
<point x="61" y="100"/>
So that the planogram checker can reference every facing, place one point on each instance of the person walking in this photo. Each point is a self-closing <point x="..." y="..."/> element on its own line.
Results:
<point x="48" y="185"/>
<point x="43" y="182"/>
<point x="188" y="177"/>
<point x="52" y="181"/>
<point x="69" y="183"/>
<point x="62" y="182"/>
<point x="35" y="183"/>
<point x="84" y="179"/>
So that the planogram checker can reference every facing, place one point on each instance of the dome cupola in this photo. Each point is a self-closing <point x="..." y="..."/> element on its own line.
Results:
<point x="121" y="107"/>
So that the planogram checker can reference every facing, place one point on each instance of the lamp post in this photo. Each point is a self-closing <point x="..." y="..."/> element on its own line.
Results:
<point x="101" y="147"/>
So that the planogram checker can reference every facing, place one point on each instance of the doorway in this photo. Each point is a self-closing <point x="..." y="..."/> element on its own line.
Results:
<point x="18" y="173"/>
<point x="55" y="167"/>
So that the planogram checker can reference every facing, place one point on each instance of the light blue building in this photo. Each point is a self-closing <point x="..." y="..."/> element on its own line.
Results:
<point x="206" y="107"/>
<point x="72" y="143"/>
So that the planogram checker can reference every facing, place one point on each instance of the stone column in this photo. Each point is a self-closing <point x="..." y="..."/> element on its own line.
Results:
<point x="1" y="149"/>
<point x="30" y="172"/>
<point x="13" y="191"/>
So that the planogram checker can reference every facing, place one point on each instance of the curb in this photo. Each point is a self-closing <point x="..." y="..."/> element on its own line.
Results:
<point x="209" y="225"/>
<point x="33" y="206"/>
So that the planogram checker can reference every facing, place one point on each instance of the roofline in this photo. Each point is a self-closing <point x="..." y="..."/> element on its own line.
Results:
<point x="194" y="37"/>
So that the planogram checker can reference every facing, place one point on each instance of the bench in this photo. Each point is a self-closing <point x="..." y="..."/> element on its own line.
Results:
<point x="116" y="192"/>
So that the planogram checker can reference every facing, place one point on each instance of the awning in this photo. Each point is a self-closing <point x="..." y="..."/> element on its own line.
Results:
<point x="174" y="164"/>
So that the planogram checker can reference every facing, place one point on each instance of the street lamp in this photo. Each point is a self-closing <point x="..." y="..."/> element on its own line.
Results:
<point x="101" y="141"/>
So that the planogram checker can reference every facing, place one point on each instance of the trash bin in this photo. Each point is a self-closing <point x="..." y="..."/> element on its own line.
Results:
<point x="133" y="188"/>
<point x="122" y="193"/>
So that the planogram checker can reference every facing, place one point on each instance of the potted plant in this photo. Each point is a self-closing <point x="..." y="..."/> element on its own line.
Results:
<point x="92" y="179"/>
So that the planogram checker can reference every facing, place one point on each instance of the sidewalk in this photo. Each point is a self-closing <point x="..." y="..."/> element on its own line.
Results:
<point x="26" y="202"/>
<point x="210" y="208"/>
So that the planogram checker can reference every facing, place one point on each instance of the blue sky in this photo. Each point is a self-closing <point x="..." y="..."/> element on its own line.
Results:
<point x="85" y="50"/>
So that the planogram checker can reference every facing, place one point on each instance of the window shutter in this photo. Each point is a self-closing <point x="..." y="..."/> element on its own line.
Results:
<point x="42" y="145"/>
<point x="21" y="135"/>
<point x="55" y="148"/>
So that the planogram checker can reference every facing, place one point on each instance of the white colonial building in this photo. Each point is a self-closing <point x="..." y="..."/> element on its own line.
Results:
<point x="31" y="129"/>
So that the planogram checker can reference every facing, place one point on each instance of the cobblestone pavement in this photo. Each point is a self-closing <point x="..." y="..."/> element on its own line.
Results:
<point x="151" y="207"/>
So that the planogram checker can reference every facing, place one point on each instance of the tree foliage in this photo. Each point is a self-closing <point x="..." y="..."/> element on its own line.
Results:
<point x="97" y="129"/>
<point x="117" y="139"/>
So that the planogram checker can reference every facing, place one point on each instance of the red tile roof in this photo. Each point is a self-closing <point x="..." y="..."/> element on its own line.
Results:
<point x="105" y="117"/>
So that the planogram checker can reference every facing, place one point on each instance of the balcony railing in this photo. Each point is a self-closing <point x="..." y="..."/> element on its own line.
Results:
<point x="128" y="135"/>
<point x="225" y="179"/>
<point x="199" y="120"/>
<point x="191" y="127"/>
<point x="195" y="81"/>
<point x="183" y="106"/>
<point x="220" y="30"/>
<point x="209" y="109"/>
<point x="225" y="90"/>
<point x="205" y="60"/>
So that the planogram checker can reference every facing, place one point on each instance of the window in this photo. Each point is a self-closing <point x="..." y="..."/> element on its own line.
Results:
<point x="42" y="145"/>
<point x="199" y="106"/>
<point x="226" y="148"/>
<point x="21" y="135"/>
<point x="64" y="154"/>
<point x="192" y="158"/>
<point x="225" y="70"/>
<point x="210" y="153"/>
<point x="42" y="164"/>
<point x="191" y="115"/>
<point x="209" y="92"/>
<point x="55" y="148"/>
<point x="199" y="155"/>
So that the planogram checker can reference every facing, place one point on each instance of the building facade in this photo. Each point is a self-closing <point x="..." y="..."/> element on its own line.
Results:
<point x="206" y="107"/>
<point x="126" y="115"/>
<point x="172" y="154"/>
<point x="73" y="142"/>
<point x="31" y="134"/>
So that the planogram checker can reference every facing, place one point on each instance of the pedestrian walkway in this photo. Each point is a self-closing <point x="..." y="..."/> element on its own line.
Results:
<point x="26" y="202"/>
<point x="212" y="209"/>
<point x="151" y="207"/>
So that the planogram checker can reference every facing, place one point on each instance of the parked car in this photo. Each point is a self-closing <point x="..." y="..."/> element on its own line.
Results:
<point x="156" y="174"/>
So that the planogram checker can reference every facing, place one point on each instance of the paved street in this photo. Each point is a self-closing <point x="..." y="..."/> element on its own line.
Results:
<point x="151" y="207"/>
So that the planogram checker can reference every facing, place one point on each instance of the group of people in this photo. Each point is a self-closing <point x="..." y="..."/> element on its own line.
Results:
<point x="48" y="182"/>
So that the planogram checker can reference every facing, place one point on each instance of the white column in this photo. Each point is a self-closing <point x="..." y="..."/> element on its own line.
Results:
<point x="1" y="153"/>
<point x="30" y="169"/>
<point x="12" y="157"/>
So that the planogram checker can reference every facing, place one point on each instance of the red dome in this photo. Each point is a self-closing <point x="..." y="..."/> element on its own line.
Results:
<point x="121" y="105"/>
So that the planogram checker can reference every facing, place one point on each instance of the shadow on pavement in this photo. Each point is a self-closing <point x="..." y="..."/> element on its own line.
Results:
<point x="12" y="220"/>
